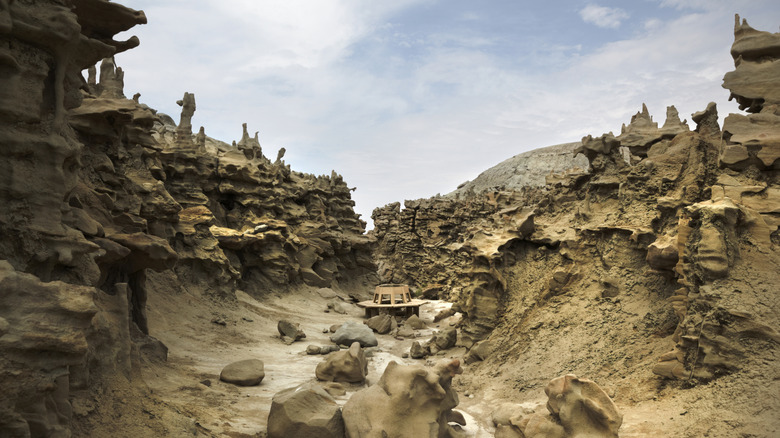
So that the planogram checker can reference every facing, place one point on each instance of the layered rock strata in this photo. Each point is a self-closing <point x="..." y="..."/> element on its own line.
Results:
<point x="99" y="193"/>
<point x="59" y="331"/>
<point x="660" y="224"/>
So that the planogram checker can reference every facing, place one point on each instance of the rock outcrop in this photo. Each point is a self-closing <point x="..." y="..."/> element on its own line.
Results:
<point x="57" y="331"/>
<point x="753" y="139"/>
<point x="106" y="201"/>
<point x="529" y="169"/>
<point x="678" y="225"/>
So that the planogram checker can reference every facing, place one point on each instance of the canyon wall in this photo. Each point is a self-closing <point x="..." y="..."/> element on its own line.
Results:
<point x="98" y="190"/>
<point x="667" y="241"/>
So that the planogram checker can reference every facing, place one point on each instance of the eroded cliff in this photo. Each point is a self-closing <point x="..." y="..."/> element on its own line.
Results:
<point x="667" y="242"/>
<point x="98" y="192"/>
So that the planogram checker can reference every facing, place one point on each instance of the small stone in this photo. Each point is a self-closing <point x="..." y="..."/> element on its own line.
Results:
<point x="206" y="382"/>
<point x="418" y="351"/>
<point x="313" y="349"/>
<point x="326" y="292"/>
<point x="290" y="329"/>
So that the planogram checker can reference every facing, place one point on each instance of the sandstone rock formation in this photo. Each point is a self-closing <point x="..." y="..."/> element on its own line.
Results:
<point x="753" y="139"/>
<point x="305" y="411"/>
<point x="105" y="201"/>
<point x="344" y="366"/>
<point x="407" y="401"/>
<point x="669" y="240"/>
<point x="50" y="300"/>
<point x="577" y="408"/>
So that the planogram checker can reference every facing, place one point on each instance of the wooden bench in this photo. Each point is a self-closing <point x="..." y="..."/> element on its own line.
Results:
<point x="393" y="299"/>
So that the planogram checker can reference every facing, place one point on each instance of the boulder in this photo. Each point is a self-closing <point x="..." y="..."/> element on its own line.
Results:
<point x="405" y="332"/>
<point x="578" y="407"/>
<point x="446" y="313"/>
<point x="443" y="340"/>
<point x="381" y="324"/>
<point x="304" y="411"/>
<point x="418" y="351"/>
<point x="479" y="351"/>
<point x="415" y="322"/>
<point x="423" y="397"/>
<point x="249" y="372"/>
<point x="351" y="331"/>
<point x="344" y="366"/>
<point x="663" y="253"/>
<point x="290" y="329"/>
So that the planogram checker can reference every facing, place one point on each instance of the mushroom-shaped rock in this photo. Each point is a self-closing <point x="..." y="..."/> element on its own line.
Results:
<point x="304" y="411"/>
<point x="408" y="401"/>
<point x="351" y="331"/>
<point x="248" y="372"/>
<point x="146" y="251"/>
<point x="290" y="329"/>
<point x="344" y="366"/>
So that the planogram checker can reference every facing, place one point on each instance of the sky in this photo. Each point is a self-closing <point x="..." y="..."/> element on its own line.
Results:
<point x="410" y="98"/>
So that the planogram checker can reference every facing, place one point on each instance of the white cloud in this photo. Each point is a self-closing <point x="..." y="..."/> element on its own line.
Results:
<point x="401" y="126"/>
<point x="602" y="16"/>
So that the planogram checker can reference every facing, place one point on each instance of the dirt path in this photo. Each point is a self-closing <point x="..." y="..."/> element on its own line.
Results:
<point x="200" y="346"/>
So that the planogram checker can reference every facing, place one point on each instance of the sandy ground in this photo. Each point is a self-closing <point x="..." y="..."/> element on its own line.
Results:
<point x="199" y="348"/>
<point x="184" y="397"/>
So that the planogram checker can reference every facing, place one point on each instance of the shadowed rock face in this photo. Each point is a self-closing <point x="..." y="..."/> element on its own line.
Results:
<point x="666" y="220"/>
<point x="97" y="192"/>
<point x="49" y="267"/>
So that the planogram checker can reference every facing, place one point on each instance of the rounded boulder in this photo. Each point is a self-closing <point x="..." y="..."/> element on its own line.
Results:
<point x="248" y="372"/>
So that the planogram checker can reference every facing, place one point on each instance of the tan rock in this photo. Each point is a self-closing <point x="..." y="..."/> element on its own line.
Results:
<point x="344" y="366"/>
<point x="422" y="397"/>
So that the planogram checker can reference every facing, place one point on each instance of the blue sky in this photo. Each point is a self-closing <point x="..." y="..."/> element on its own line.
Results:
<point x="409" y="98"/>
